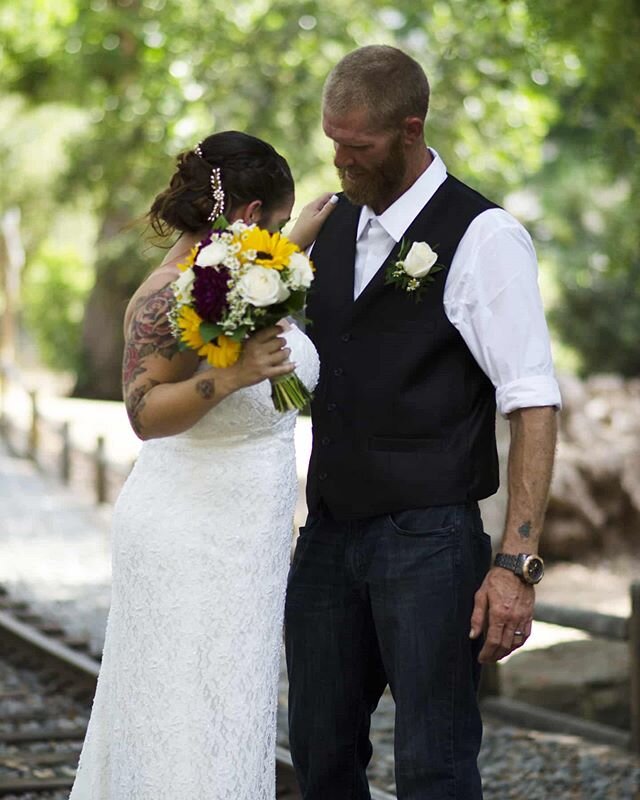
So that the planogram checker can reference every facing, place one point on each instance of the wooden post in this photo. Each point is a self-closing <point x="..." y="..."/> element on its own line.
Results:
<point x="100" y="471"/>
<point x="65" y="453"/>
<point x="34" y="429"/>
<point x="3" y="400"/>
<point x="634" y="664"/>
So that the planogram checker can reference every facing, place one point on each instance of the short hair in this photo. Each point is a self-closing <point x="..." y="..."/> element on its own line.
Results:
<point x="384" y="80"/>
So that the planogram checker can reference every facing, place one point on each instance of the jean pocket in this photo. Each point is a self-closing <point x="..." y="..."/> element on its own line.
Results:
<point x="310" y="524"/>
<point x="431" y="523"/>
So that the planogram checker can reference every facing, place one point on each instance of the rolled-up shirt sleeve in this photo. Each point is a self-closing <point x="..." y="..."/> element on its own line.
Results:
<point x="493" y="299"/>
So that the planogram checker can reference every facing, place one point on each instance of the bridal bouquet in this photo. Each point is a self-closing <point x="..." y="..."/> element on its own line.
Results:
<point x="238" y="280"/>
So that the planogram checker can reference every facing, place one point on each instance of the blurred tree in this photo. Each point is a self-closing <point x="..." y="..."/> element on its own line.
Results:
<point x="55" y="291"/>
<point x="156" y="75"/>
<point x="590" y="183"/>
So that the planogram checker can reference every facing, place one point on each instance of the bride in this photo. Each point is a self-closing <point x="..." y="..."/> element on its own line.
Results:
<point x="185" y="707"/>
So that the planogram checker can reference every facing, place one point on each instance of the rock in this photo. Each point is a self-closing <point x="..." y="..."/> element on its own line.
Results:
<point x="594" y="503"/>
<point x="589" y="679"/>
<point x="567" y="538"/>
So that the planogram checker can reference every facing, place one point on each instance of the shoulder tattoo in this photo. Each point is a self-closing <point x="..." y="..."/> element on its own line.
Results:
<point x="149" y="333"/>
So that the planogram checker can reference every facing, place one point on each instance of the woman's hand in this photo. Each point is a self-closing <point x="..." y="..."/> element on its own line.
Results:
<point x="264" y="355"/>
<point x="311" y="219"/>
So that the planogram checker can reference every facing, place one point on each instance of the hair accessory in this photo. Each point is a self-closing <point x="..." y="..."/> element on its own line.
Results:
<point x="217" y="191"/>
<point x="218" y="194"/>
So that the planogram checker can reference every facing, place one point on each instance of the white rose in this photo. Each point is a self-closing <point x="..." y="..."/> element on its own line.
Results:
<point x="183" y="286"/>
<point x="213" y="254"/>
<point x="300" y="272"/>
<point x="262" y="287"/>
<point x="419" y="260"/>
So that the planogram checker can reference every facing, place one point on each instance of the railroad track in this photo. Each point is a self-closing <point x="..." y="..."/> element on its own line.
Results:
<point x="47" y="684"/>
<point x="46" y="688"/>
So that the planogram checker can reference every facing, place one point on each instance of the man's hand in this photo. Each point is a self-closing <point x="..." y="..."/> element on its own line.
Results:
<point x="504" y="605"/>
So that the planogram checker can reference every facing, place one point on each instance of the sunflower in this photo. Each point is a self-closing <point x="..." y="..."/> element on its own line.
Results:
<point x="273" y="249"/>
<point x="189" y="323"/>
<point x="190" y="260"/>
<point x="221" y="352"/>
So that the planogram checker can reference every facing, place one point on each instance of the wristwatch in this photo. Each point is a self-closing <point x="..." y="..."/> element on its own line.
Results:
<point x="527" y="567"/>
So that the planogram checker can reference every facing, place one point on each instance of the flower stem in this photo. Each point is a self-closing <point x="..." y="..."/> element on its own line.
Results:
<point x="289" y="393"/>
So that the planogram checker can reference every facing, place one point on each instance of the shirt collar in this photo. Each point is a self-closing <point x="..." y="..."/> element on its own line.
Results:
<point x="399" y="216"/>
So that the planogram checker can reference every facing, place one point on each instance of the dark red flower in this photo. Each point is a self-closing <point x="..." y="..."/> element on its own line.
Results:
<point x="210" y="288"/>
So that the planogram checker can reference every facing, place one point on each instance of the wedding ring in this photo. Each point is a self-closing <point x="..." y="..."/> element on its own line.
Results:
<point x="518" y="633"/>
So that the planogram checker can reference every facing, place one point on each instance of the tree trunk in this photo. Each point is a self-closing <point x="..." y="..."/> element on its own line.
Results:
<point x="119" y="270"/>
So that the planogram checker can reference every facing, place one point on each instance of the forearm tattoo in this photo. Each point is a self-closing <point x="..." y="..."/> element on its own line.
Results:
<point x="206" y="388"/>
<point x="149" y="333"/>
<point x="135" y="404"/>
<point x="525" y="530"/>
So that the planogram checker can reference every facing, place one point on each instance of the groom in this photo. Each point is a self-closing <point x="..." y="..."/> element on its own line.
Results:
<point x="391" y="581"/>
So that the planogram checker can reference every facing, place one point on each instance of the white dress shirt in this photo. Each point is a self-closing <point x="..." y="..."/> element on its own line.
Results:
<point x="491" y="293"/>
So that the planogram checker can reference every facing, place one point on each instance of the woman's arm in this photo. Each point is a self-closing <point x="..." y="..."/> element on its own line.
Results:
<point x="311" y="219"/>
<point x="163" y="393"/>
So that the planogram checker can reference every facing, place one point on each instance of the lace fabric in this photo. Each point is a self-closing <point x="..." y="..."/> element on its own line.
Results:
<point x="186" y="700"/>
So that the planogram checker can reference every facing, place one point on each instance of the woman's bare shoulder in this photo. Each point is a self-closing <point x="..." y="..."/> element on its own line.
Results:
<point x="155" y="286"/>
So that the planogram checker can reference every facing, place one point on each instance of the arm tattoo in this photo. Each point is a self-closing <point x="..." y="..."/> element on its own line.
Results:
<point x="206" y="388"/>
<point x="149" y="333"/>
<point x="525" y="530"/>
<point x="135" y="404"/>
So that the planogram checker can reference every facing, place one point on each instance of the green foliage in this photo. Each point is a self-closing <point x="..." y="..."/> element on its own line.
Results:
<point x="590" y="185"/>
<point x="525" y="94"/>
<point x="55" y="289"/>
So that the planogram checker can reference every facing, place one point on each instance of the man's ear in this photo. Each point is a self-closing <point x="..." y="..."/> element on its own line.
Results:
<point x="412" y="130"/>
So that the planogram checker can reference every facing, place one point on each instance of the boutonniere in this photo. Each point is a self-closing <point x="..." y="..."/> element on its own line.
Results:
<point x="414" y="269"/>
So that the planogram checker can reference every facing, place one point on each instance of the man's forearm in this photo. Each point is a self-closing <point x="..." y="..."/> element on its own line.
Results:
<point x="531" y="455"/>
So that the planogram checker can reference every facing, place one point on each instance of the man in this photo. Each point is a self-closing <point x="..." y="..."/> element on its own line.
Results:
<point x="391" y="580"/>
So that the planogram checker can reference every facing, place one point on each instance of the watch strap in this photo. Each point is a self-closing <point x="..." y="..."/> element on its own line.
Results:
<point x="507" y="561"/>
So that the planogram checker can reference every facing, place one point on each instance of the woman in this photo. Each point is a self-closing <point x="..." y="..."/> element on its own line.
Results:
<point x="185" y="706"/>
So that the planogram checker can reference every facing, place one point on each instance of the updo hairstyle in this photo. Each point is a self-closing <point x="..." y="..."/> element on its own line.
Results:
<point x="250" y="168"/>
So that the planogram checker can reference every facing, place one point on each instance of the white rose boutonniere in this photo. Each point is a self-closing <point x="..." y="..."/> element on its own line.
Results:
<point x="415" y="268"/>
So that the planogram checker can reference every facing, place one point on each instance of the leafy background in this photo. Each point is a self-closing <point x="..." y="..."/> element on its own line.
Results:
<point x="534" y="102"/>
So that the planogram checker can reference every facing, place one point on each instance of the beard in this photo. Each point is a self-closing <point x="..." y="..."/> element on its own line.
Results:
<point x="375" y="187"/>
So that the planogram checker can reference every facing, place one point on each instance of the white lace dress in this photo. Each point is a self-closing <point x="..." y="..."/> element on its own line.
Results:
<point x="185" y="707"/>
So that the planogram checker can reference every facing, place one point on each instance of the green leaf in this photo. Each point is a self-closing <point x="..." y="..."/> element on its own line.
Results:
<point x="209" y="331"/>
<point x="240" y="334"/>
<point x="221" y="223"/>
<point x="296" y="301"/>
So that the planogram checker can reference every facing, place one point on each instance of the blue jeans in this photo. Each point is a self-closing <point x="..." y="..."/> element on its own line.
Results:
<point x="381" y="600"/>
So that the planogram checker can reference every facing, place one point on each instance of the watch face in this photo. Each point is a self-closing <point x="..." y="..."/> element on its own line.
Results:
<point x="533" y="569"/>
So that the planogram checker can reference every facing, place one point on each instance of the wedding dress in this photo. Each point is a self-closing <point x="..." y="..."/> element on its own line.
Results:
<point x="185" y="707"/>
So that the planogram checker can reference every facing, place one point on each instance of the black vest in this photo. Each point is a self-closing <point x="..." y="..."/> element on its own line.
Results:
<point x="403" y="416"/>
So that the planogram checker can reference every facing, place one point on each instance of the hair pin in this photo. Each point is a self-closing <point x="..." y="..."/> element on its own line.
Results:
<point x="217" y="191"/>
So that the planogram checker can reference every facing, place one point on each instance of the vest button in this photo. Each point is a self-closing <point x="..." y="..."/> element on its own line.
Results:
<point x="323" y="476"/>
<point x="346" y="337"/>
<point x="331" y="406"/>
<point x="325" y="440"/>
<point x="338" y="371"/>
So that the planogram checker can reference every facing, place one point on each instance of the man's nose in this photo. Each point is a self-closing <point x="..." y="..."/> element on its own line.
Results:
<point x="342" y="158"/>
